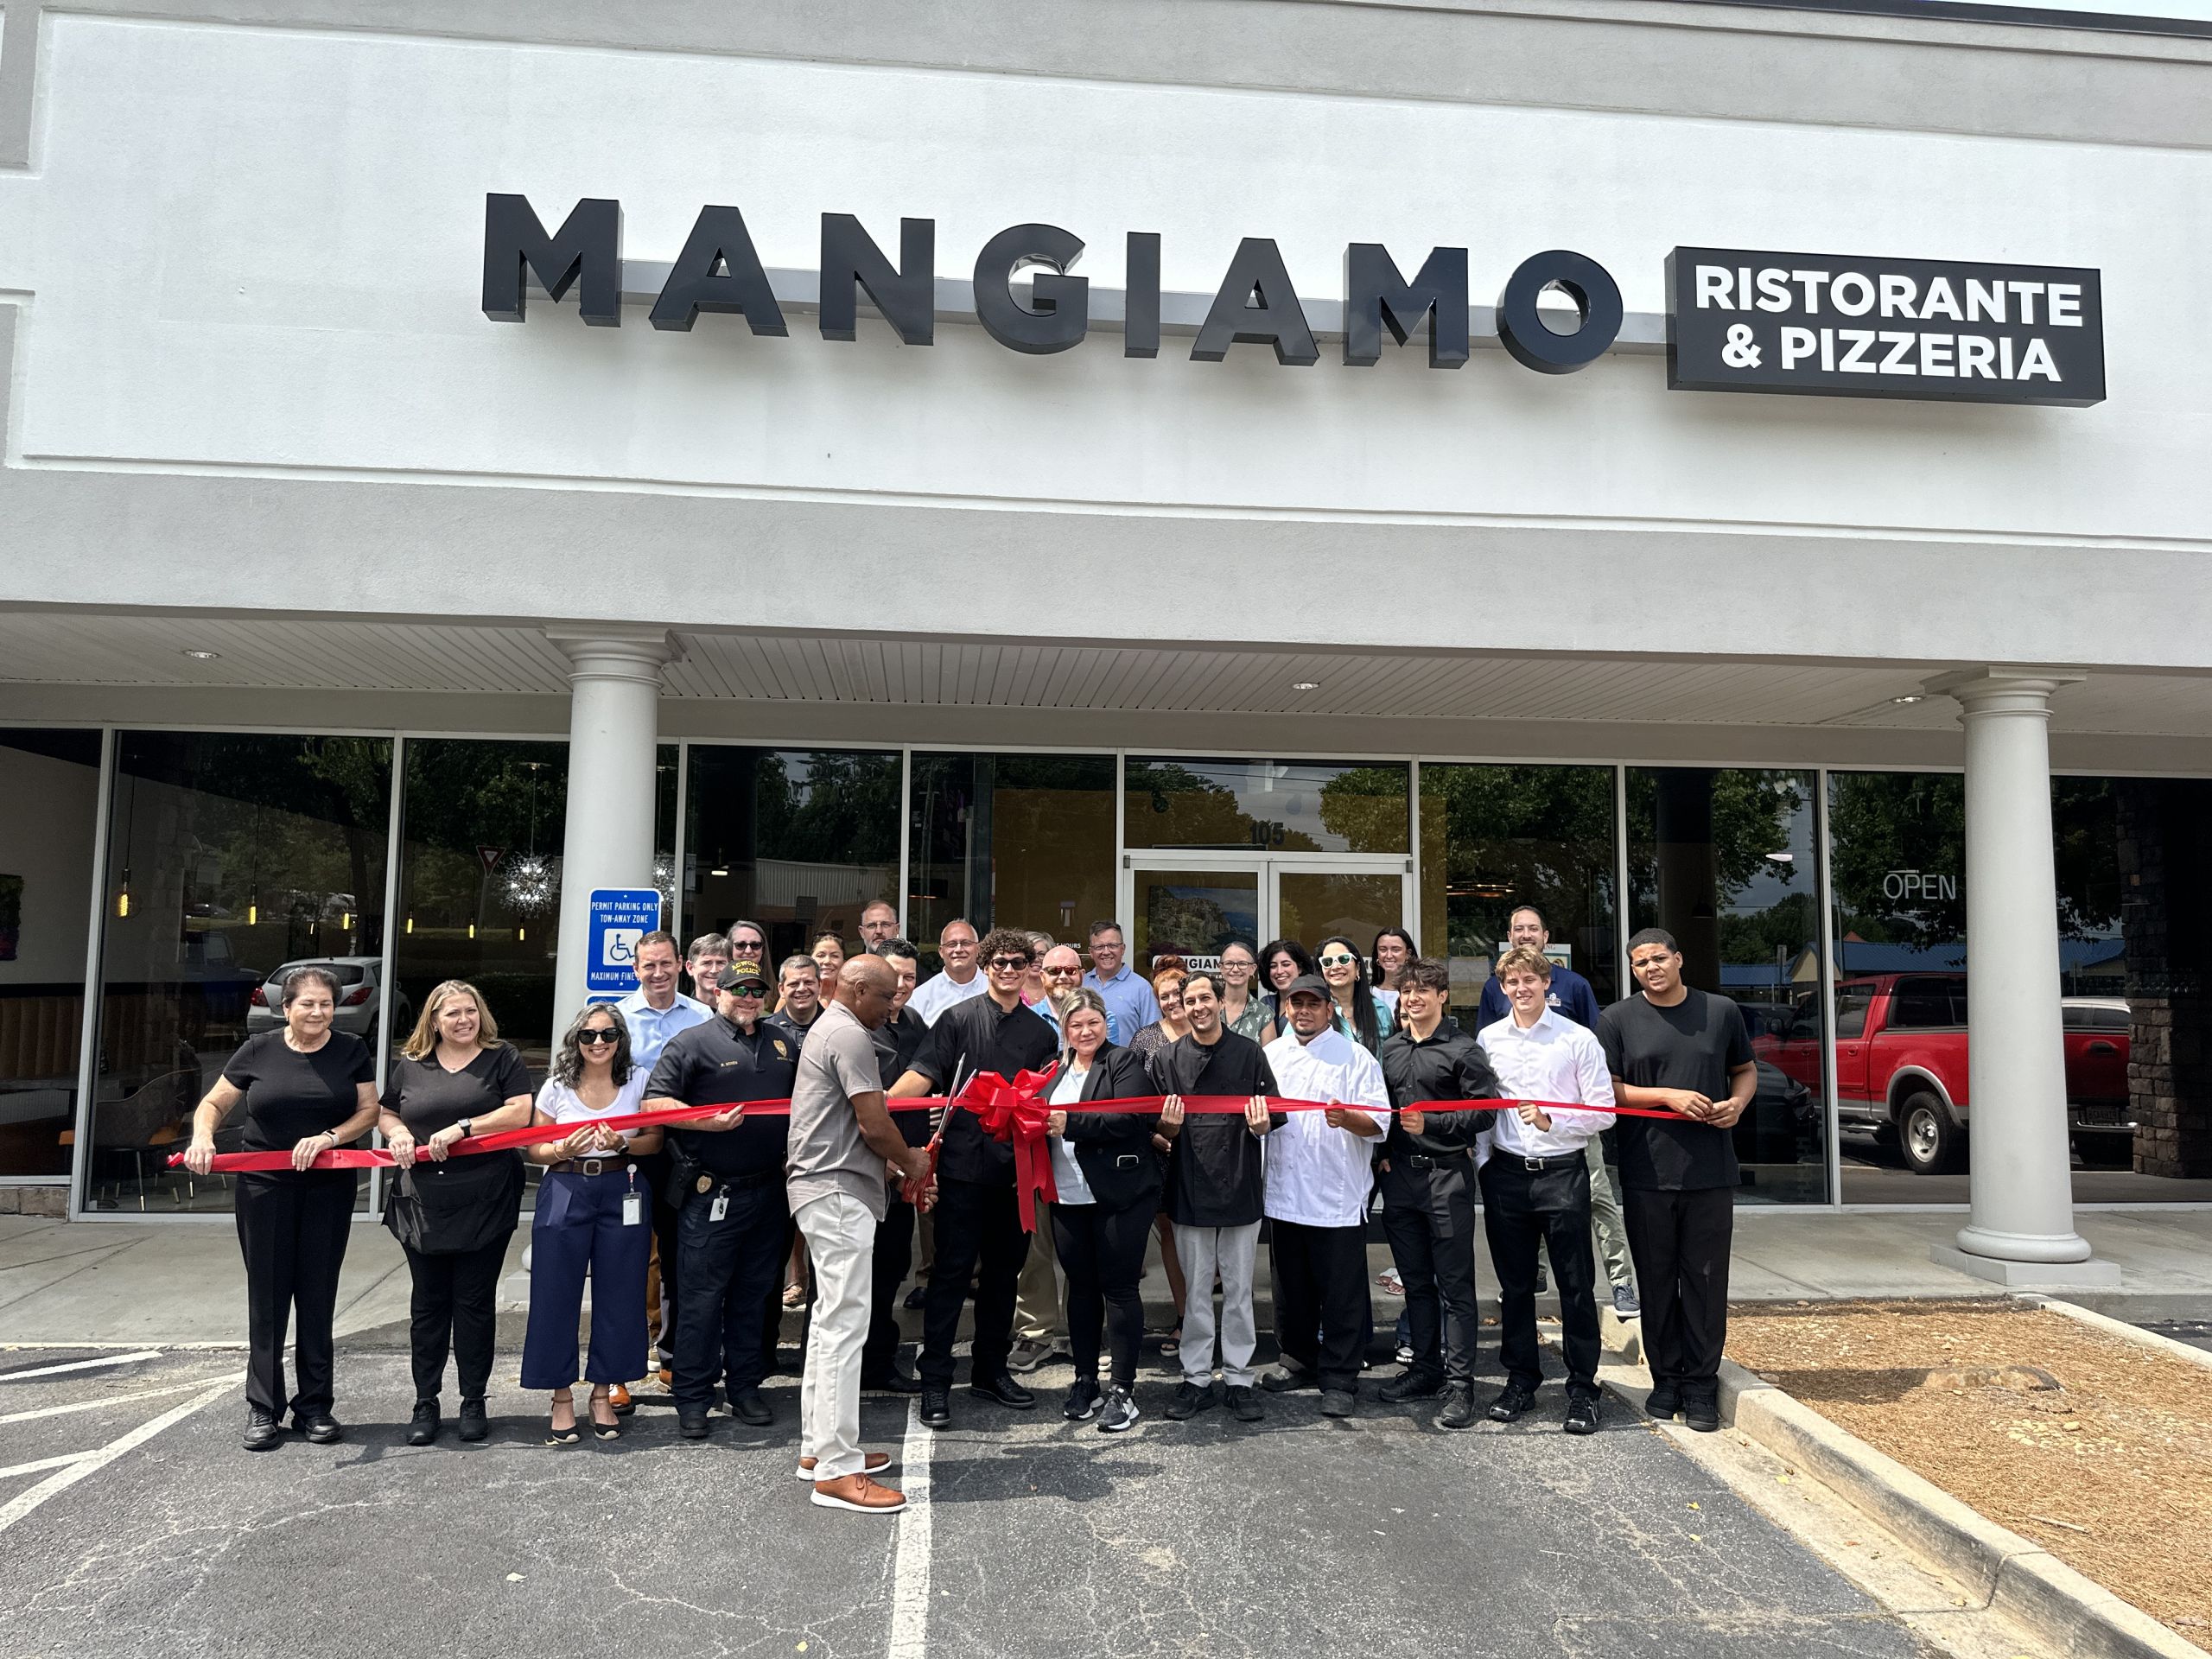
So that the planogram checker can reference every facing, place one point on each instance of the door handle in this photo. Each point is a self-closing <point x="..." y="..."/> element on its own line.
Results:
<point x="2100" y="1046"/>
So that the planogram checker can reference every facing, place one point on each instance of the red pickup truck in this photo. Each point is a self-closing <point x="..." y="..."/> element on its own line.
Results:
<point x="1901" y="1066"/>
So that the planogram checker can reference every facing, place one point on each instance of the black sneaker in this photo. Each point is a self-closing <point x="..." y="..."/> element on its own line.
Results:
<point x="1004" y="1390"/>
<point x="1285" y="1379"/>
<point x="1244" y="1403"/>
<point x="1121" y="1414"/>
<point x="747" y="1406"/>
<point x="1512" y="1399"/>
<point x="691" y="1422"/>
<point x="319" y="1426"/>
<point x="422" y="1427"/>
<point x="475" y="1424"/>
<point x="262" y="1431"/>
<point x="1084" y="1400"/>
<point x="1459" y="1408"/>
<point x="1665" y="1403"/>
<point x="1582" y="1413"/>
<point x="1410" y="1385"/>
<point x="1338" y="1402"/>
<point x="1189" y="1401"/>
<point x="1702" y="1410"/>
<point x="936" y="1408"/>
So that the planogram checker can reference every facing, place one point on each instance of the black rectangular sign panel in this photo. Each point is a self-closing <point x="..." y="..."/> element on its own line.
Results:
<point x="1840" y="326"/>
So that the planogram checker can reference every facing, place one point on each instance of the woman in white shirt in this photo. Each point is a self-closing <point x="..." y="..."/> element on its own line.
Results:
<point x="1109" y="1179"/>
<point x="594" y="1215"/>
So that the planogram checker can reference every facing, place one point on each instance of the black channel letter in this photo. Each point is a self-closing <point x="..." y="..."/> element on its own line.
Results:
<point x="1596" y="296"/>
<point x="851" y="261"/>
<point x="1059" y="310"/>
<point x="718" y="271"/>
<point x="1278" y="320"/>
<point x="1140" y="313"/>
<point x="1376" y="297"/>
<point x="589" y="243"/>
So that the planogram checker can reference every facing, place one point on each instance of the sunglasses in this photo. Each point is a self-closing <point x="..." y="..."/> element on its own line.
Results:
<point x="1064" y="973"/>
<point x="754" y="988"/>
<point x="1011" y="963"/>
<point x="598" y="1034"/>
<point x="1337" y="959"/>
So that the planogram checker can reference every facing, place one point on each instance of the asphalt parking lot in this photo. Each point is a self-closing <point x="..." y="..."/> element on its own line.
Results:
<point x="135" y="1525"/>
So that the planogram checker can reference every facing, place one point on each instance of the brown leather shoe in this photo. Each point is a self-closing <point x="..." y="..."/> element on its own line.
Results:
<point x="877" y="1462"/>
<point x="619" y="1397"/>
<point x="859" y="1493"/>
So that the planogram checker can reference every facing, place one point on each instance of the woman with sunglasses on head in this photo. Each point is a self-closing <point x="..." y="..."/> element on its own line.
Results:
<point x="1243" y="1010"/>
<point x="1361" y="1013"/>
<point x="1394" y="949"/>
<point x="1283" y="961"/>
<point x="454" y="1078"/>
<point x="1167" y="991"/>
<point x="592" y="1217"/>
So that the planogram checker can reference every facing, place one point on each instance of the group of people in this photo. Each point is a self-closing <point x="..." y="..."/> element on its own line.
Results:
<point x="716" y="1199"/>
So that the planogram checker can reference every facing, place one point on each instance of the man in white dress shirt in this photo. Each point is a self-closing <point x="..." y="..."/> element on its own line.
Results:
<point x="1537" y="1185"/>
<point x="955" y="947"/>
<point x="1319" y="1174"/>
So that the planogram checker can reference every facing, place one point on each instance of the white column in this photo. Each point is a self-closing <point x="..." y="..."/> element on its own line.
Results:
<point x="2022" y="1228"/>
<point x="613" y="723"/>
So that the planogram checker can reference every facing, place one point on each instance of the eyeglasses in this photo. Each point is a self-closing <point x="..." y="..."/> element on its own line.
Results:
<point x="1337" y="959"/>
<point x="1011" y="963"/>
<point x="1064" y="973"/>
<point x="598" y="1034"/>
<point x="753" y="987"/>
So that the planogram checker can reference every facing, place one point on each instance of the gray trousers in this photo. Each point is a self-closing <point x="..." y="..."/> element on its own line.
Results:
<point x="1230" y="1251"/>
<point x="1040" y="1306"/>
<point x="1606" y="1217"/>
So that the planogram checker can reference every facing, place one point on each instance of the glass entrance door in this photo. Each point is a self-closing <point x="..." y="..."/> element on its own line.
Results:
<point x="1191" y="904"/>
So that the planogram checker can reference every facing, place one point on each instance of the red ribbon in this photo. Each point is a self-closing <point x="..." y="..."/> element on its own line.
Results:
<point x="1014" y="1109"/>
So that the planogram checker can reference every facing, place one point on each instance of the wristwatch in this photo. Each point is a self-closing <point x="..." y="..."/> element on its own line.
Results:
<point x="466" y="1125"/>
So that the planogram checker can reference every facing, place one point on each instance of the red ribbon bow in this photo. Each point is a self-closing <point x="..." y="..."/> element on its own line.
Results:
<point x="1015" y="1110"/>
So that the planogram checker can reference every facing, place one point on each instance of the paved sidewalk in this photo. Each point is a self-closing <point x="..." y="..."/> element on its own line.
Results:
<point x="170" y="1283"/>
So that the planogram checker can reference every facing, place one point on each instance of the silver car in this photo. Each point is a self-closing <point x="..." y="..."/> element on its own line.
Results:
<point x="361" y="999"/>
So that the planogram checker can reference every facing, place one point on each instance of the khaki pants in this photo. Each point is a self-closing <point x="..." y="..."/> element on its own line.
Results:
<point x="841" y="1242"/>
<point x="1039" y="1312"/>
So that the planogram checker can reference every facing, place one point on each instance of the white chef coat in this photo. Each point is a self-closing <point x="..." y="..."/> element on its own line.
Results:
<point x="1317" y="1176"/>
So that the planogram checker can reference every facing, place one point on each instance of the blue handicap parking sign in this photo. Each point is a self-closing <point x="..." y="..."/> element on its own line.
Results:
<point x="619" y="917"/>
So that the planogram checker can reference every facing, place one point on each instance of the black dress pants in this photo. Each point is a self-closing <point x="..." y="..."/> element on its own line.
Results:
<point x="1522" y="1208"/>
<point x="1428" y="1216"/>
<point x="293" y="1229"/>
<point x="728" y="1266"/>
<point x="1680" y="1241"/>
<point x="1322" y="1311"/>
<point x="1103" y="1251"/>
<point x="456" y="1307"/>
<point x="976" y="1223"/>
<point x="895" y="1254"/>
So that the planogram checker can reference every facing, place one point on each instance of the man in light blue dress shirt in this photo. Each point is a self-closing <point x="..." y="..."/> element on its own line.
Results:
<point x="656" y="1011"/>
<point x="1130" y="1005"/>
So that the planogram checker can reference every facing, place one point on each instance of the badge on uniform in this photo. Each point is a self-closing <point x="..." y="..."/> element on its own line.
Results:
<point x="782" y="1053"/>
<point x="706" y="1184"/>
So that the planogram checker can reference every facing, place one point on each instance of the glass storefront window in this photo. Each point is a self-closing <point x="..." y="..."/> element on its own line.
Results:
<point x="1273" y="806"/>
<point x="798" y="840"/>
<point x="480" y="880"/>
<point x="1010" y="841"/>
<point x="51" y="781"/>
<point x="230" y="857"/>
<point x="1725" y="860"/>
<point x="1493" y="838"/>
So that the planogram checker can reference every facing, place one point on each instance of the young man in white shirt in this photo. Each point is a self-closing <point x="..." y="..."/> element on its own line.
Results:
<point x="1320" y="1173"/>
<point x="1537" y="1185"/>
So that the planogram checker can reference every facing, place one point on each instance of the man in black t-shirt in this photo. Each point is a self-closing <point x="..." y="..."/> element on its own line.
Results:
<point x="732" y="1226"/>
<point x="1675" y="1049"/>
<point x="978" y="1217"/>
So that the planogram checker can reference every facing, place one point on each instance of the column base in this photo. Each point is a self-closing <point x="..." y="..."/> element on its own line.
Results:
<point x="2094" y="1274"/>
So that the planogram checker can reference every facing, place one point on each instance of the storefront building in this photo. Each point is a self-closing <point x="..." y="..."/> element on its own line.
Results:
<point x="360" y="599"/>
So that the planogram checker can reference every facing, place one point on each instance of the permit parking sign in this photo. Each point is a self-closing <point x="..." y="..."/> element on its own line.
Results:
<point x="619" y="917"/>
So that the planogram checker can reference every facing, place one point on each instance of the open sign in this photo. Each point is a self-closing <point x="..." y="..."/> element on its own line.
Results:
<point x="1919" y="884"/>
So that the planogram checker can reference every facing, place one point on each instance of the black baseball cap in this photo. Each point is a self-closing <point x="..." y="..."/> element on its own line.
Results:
<point x="1313" y="984"/>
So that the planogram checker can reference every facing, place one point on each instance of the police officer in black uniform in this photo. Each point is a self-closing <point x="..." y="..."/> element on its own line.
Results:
<point x="1428" y="1188"/>
<point x="729" y="1174"/>
<point x="978" y="1217"/>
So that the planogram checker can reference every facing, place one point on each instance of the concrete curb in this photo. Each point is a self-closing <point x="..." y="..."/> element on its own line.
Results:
<point x="2013" y="1574"/>
<point x="2120" y="1329"/>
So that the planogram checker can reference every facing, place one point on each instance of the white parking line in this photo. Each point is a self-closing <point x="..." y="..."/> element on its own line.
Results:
<point x="82" y="1365"/>
<point x="21" y="1505"/>
<point x="104" y="1403"/>
<point x="910" y="1573"/>
<point x="62" y="1462"/>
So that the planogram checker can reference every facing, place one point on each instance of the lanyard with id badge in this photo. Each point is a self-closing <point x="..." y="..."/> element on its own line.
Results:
<point x="634" y="1202"/>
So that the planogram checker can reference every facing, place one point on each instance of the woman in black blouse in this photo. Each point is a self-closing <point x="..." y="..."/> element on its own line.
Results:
<point x="454" y="1079"/>
<point x="306" y="1089"/>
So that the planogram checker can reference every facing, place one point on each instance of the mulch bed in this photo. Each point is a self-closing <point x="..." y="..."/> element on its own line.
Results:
<point x="2110" y="1469"/>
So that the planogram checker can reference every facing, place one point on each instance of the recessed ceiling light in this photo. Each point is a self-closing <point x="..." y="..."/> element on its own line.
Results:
<point x="1306" y="685"/>
<point x="1914" y="697"/>
<point x="201" y="656"/>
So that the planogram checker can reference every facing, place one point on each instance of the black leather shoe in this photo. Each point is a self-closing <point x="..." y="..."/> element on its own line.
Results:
<point x="893" y="1381"/>
<point x="474" y="1423"/>
<point x="422" y="1427"/>
<point x="936" y="1408"/>
<point x="1004" y="1390"/>
<point x="1582" y="1413"/>
<point x="1338" y="1402"/>
<point x="1410" y="1385"/>
<point x="1665" y="1403"/>
<point x="262" y="1432"/>
<point x="1512" y="1399"/>
<point x="691" y="1422"/>
<point x="1702" y="1410"/>
<point x="747" y="1407"/>
<point x="1459" y="1408"/>
<point x="1284" y="1380"/>
<point x="319" y="1426"/>
<point x="1189" y="1400"/>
